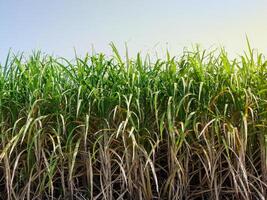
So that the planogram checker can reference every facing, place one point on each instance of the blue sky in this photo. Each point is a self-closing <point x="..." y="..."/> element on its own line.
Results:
<point x="59" y="26"/>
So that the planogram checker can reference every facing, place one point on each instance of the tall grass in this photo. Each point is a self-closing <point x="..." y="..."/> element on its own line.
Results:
<point x="97" y="127"/>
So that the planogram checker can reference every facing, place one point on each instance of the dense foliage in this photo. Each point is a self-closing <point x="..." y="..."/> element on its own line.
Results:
<point x="187" y="127"/>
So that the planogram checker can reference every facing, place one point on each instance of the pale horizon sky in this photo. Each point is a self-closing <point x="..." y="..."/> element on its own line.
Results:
<point x="58" y="26"/>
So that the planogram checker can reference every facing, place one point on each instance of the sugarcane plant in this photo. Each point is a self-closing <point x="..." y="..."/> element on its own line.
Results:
<point x="114" y="127"/>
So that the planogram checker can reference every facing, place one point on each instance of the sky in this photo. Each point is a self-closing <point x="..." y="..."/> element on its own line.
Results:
<point x="148" y="26"/>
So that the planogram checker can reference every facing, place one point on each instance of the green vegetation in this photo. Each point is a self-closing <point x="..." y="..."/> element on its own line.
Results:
<point x="97" y="127"/>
